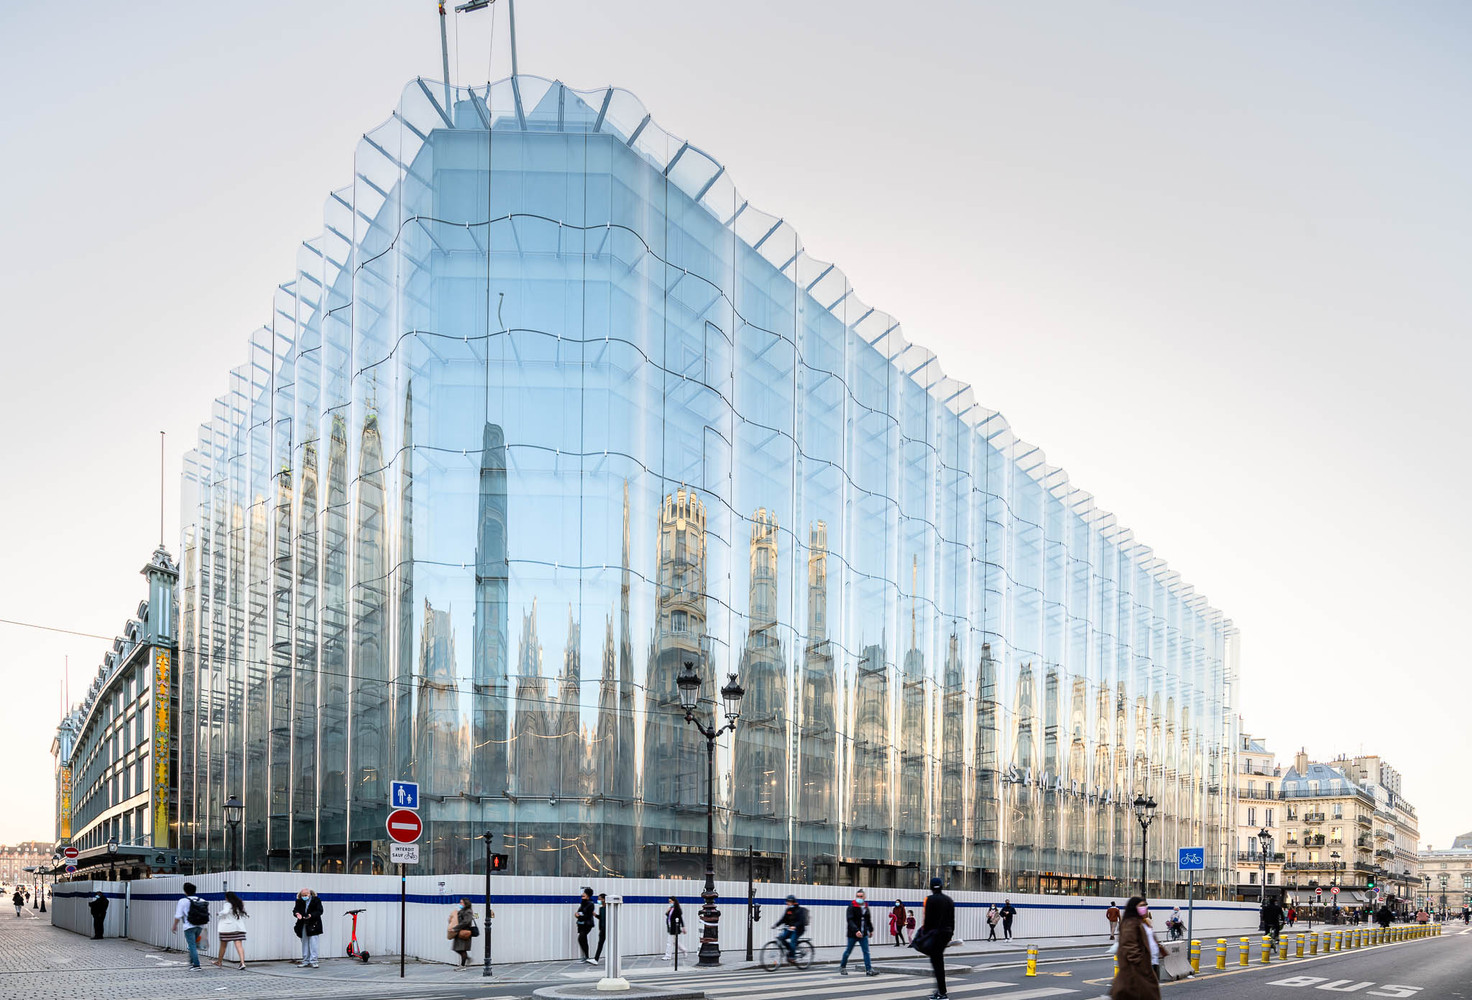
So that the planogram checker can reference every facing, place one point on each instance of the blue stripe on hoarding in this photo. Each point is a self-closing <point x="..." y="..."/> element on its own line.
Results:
<point x="534" y="899"/>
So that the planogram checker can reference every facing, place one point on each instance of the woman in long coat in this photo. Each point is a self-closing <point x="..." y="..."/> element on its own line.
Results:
<point x="1135" y="979"/>
<point x="462" y="929"/>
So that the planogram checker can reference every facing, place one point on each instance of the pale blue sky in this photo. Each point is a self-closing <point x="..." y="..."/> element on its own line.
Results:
<point x="1212" y="258"/>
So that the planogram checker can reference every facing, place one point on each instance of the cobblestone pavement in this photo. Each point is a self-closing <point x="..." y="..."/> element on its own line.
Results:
<point x="42" y="962"/>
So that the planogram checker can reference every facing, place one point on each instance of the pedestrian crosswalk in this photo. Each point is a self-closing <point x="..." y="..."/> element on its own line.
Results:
<point x="786" y="985"/>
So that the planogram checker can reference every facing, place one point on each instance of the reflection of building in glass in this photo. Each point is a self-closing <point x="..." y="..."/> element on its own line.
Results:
<point x="573" y="368"/>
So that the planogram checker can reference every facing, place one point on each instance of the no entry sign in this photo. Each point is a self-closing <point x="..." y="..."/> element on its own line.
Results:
<point x="404" y="826"/>
<point x="70" y="852"/>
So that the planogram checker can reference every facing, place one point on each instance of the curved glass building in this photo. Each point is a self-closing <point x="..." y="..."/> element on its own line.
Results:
<point x="547" y="411"/>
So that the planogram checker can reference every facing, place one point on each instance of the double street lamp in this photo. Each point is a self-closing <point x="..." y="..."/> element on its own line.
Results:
<point x="233" y="809"/>
<point x="689" y="685"/>
<point x="1145" y="813"/>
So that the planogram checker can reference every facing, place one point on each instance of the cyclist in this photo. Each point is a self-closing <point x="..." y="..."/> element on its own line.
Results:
<point x="794" y="921"/>
<point x="1272" y="919"/>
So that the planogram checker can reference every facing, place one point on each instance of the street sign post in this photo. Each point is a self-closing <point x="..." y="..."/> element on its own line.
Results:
<point x="1191" y="860"/>
<point x="403" y="794"/>
<point x="404" y="826"/>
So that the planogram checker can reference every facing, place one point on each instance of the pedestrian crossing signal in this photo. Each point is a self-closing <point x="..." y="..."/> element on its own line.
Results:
<point x="498" y="862"/>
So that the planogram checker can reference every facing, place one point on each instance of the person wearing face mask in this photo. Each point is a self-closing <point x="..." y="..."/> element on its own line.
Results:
<point x="1138" y="951"/>
<point x="308" y="911"/>
<point x="860" y="925"/>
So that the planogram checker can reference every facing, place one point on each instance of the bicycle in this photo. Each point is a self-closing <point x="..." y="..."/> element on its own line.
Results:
<point x="355" y="950"/>
<point x="774" y="954"/>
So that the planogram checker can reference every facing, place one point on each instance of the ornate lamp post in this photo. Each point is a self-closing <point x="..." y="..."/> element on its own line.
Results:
<point x="112" y="851"/>
<point x="233" y="809"/>
<point x="1442" y="901"/>
<point x="1426" y="891"/>
<point x="689" y="685"/>
<point x="1145" y="813"/>
<point x="1263" y="840"/>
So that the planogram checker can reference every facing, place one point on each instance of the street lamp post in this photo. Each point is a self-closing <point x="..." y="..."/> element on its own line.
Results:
<point x="1145" y="814"/>
<point x="1263" y="840"/>
<point x="486" y="970"/>
<point x="689" y="685"/>
<point x="1441" y="902"/>
<point x="1426" y="892"/>
<point x="112" y="851"/>
<point x="233" y="809"/>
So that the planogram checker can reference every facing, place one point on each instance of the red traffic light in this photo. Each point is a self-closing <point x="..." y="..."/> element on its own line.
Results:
<point x="498" y="862"/>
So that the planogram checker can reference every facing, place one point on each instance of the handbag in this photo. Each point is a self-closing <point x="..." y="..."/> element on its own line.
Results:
<point x="924" y="941"/>
<point x="464" y="934"/>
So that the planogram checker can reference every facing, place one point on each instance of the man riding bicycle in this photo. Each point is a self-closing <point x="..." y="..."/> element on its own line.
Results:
<point x="794" y="921"/>
<point x="1272" y="919"/>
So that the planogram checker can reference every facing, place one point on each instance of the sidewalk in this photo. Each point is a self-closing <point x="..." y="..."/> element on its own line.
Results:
<point x="977" y="954"/>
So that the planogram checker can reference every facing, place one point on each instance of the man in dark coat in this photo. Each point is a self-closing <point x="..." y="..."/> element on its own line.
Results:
<point x="860" y="925"/>
<point x="585" y="919"/>
<point x="98" y="906"/>
<point x="937" y="927"/>
<point x="1008" y="912"/>
<point x="601" y="915"/>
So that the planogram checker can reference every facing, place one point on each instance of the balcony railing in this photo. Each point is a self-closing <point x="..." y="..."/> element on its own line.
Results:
<point x="1258" y="794"/>
<point x="1364" y="821"/>
<point x="1388" y="855"/>
<point x="1255" y="857"/>
<point x="1383" y="835"/>
<point x="1313" y="817"/>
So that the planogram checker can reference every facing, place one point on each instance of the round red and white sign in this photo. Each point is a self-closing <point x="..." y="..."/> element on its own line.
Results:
<point x="1335" y="890"/>
<point x="71" y="852"/>
<point x="404" y="826"/>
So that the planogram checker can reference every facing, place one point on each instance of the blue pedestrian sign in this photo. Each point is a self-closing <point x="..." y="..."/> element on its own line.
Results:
<point x="1191" y="859"/>
<point x="404" y="794"/>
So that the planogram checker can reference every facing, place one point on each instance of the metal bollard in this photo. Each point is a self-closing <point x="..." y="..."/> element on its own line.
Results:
<point x="1267" y="950"/>
<point x="1242" y="955"/>
<point x="1336" y="943"/>
<point x="1195" y="956"/>
<point x="1298" y="952"/>
<point x="1032" y="960"/>
<point x="1221" y="953"/>
<point x="613" y="978"/>
<point x="1282" y="947"/>
<point x="1313" y="944"/>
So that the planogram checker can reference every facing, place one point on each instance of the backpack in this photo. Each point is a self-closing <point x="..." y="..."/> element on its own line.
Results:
<point x="199" y="912"/>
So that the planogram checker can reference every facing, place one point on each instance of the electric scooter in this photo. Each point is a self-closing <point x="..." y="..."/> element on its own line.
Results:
<point x="355" y="950"/>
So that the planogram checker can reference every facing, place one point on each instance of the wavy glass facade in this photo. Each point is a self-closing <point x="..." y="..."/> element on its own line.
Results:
<point x="549" y="408"/>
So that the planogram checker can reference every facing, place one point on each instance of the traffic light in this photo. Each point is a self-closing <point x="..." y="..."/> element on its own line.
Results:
<point x="1370" y="882"/>
<point x="756" y="913"/>
<point x="498" y="862"/>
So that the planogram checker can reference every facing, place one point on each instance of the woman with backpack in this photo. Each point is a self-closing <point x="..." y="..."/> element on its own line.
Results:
<point x="231" y="928"/>
<point x="461" y="929"/>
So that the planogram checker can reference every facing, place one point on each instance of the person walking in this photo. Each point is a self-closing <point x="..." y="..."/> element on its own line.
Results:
<point x="937" y="925"/>
<point x="461" y="929"/>
<point x="601" y="914"/>
<point x="307" y="909"/>
<point x="993" y="917"/>
<point x="19" y="899"/>
<point x="230" y="929"/>
<point x="584" y="918"/>
<point x="194" y="912"/>
<point x="1112" y="915"/>
<point x="1292" y="916"/>
<point x="98" y="906"/>
<point x="1008" y="912"/>
<point x="794" y="921"/>
<point x="860" y="925"/>
<point x="674" y="926"/>
<point x="1134" y="976"/>
<point x="897" y="923"/>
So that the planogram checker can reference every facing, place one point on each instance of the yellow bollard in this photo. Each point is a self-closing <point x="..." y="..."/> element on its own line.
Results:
<point x="1267" y="950"/>
<point x="1221" y="953"/>
<point x="1313" y="943"/>
<point x="1195" y="956"/>
<point x="1338" y="940"/>
<point x="1032" y="960"/>
<point x="1242" y="955"/>
<point x="1282" y="947"/>
<point x="1116" y="965"/>
<point x="1298" y="952"/>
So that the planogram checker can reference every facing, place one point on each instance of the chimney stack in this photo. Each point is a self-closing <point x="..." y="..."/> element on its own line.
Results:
<point x="1300" y="761"/>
